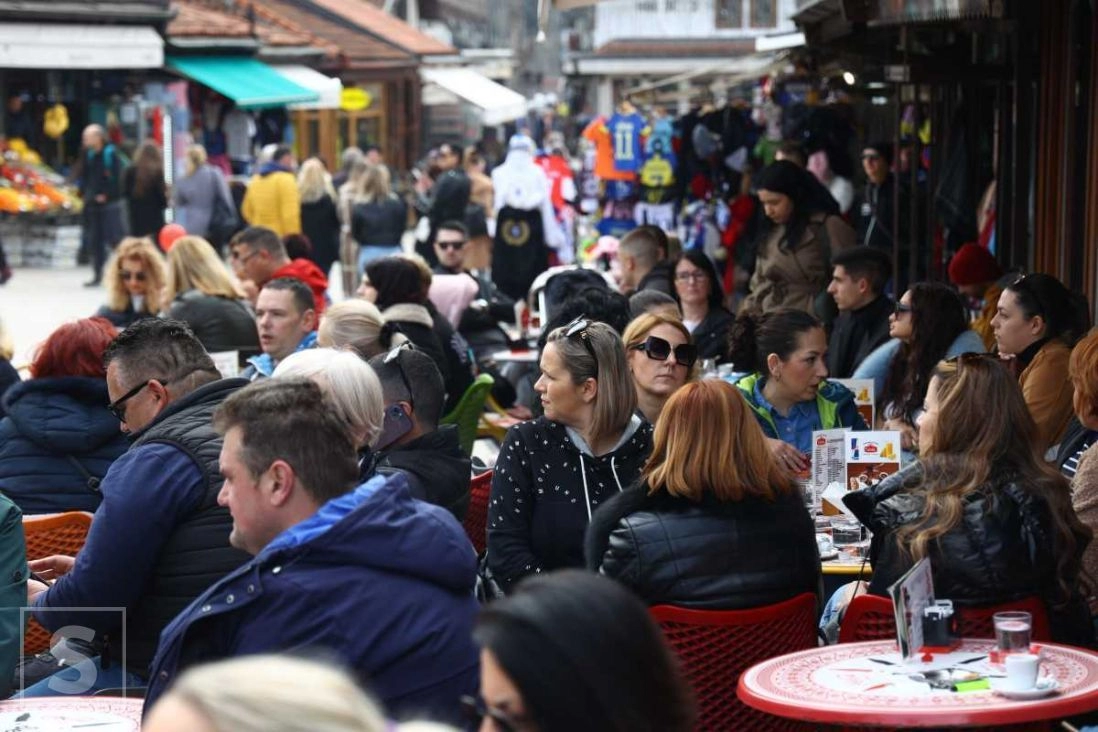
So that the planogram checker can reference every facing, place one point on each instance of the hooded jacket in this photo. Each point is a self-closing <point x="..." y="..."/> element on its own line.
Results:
<point x="272" y="200"/>
<point x="545" y="488"/>
<point x="380" y="580"/>
<point x="436" y="469"/>
<point x="307" y="271"/>
<point x="56" y="443"/>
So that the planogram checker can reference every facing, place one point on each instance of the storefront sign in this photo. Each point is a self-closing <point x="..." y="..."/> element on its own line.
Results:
<point x="906" y="11"/>
<point x="353" y="99"/>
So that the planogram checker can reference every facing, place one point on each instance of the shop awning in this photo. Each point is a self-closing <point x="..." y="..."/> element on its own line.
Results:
<point x="70" y="46"/>
<point x="251" y="84"/>
<point x="498" y="104"/>
<point x="327" y="87"/>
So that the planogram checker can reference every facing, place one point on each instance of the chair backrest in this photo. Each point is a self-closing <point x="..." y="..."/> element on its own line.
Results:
<point x="870" y="617"/>
<point x="466" y="414"/>
<point x="476" y="518"/>
<point x="715" y="646"/>
<point x="46" y="535"/>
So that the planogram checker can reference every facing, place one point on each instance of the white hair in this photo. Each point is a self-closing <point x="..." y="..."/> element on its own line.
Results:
<point x="356" y="324"/>
<point x="350" y="383"/>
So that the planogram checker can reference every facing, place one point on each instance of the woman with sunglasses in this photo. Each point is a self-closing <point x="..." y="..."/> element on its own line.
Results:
<point x="701" y="296"/>
<point x="994" y="518"/>
<point x="1036" y="325"/>
<point x="574" y="651"/>
<point x="661" y="359"/>
<point x="785" y="353"/>
<point x="719" y="524"/>
<point x="553" y="472"/>
<point x="135" y="279"/>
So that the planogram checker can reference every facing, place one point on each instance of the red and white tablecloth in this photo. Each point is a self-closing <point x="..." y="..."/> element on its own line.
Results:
<point x="77" y="713"/>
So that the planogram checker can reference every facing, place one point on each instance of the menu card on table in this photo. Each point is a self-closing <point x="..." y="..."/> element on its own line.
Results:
<point x="851" y="459"/>
<point x="911" y="594"/>
<point x="864" y="397"/>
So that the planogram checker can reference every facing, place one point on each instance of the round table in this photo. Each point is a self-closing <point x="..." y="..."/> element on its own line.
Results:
<point x="842" y="685"/>
<point x="61" y="713"/>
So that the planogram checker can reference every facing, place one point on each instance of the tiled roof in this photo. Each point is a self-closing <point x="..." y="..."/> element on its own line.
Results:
<point x="677" y="47"/>
<point x="197" y="19"/>
<point x="388" y="27"/>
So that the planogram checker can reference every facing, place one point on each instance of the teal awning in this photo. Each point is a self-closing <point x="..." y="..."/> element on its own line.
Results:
<point x="251" y="84"/>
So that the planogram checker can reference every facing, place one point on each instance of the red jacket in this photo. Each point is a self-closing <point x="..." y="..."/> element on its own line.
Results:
<point x="310" y="274"/>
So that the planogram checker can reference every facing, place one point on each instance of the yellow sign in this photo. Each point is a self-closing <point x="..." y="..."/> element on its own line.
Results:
<point x="353" y="99"/>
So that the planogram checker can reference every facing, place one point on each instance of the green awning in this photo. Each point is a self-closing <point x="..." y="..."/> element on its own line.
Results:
<point x="251" y="84"/>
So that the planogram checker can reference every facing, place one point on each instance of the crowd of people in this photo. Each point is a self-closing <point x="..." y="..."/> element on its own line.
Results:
<point x="314" y="502"/>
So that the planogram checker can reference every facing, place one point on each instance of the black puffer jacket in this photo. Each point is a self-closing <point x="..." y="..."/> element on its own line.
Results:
<point x="437" y="470"/>
<point x="1002" y="550"/>
<point x="219" y="323"/>
<point x="709" y="555"/>
<point x="544" y="490"/>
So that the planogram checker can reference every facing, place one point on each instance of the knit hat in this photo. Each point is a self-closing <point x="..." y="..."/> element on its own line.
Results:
<point x="972" y="265"/>
<point x="882" y="148"/>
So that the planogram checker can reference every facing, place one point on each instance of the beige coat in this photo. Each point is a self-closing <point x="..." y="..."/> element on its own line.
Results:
<point x="1048" y="392"/>
<point x="794" y="278"/>
<point x="1084" y="497"/>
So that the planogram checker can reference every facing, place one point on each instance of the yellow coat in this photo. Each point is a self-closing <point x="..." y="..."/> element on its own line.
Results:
<point x="272" y="201"/>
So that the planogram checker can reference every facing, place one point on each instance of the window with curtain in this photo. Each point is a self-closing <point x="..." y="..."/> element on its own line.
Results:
<point x="764" y="13"/>
<point x="729" y="13"/>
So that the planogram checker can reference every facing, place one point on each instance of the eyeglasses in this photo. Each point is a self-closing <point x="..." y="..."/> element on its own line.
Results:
<point x="394" y="356"/>
<point x="901" y="308"/>
<point x="237" y="257"/>
<point x="118" y="406"/>
<point x="128" y="275"/>
<point x="476" y="709"/>
<point x="455" y="245"/>
<point x="690" y="276"/>
<point x="658" y="349"/>
<point x="579" y="327"/>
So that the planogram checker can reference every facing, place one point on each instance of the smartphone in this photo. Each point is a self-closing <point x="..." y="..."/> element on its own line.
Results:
<point x="396" y="425"/>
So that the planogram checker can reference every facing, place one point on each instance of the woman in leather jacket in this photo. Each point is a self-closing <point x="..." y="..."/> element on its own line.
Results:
<point x="995" y="520"/>
<point x="718" y="524"/>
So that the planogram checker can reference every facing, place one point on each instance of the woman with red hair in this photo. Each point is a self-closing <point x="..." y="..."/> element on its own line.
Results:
<point x="58" y="439"/>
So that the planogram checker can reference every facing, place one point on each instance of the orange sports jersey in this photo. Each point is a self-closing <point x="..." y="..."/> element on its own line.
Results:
<point x="598" y="133"/>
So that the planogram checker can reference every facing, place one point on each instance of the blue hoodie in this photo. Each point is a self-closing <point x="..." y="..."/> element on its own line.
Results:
<point x="376" y="578"/>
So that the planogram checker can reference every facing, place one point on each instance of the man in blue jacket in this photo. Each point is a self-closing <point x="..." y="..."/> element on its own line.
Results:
<point x="159" y="537"/>
<point x="380" y="581"/>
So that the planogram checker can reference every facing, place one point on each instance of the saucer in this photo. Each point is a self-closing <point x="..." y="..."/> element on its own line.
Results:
<point x="1045" y="685"/>
<point x="833" y="554"/>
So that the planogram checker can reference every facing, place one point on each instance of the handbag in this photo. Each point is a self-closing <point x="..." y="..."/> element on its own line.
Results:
<point x="224" y="222"/>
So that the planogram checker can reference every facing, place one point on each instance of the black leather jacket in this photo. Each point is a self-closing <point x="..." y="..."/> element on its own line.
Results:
<point x="710" y="555"/>
<point x="1003" y="548"/>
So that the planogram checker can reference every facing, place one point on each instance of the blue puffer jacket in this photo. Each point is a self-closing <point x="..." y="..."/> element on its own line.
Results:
<point x="382" y="581"/>
<point x="50" y="423"/>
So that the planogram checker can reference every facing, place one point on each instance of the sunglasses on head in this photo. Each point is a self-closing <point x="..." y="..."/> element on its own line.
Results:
<point x="455" y="245"/>
<point x="658" y="349"/>
<point x="901" y="308"/>
<point x="579" y="327"/>
<point x="128" y="275"/>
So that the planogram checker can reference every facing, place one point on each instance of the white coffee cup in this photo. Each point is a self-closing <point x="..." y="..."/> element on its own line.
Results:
<point x="1021" y="671"/>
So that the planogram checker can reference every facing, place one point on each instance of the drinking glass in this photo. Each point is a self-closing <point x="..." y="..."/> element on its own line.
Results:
<point x="845" y="531"/>
<point x="1012" y="631"/>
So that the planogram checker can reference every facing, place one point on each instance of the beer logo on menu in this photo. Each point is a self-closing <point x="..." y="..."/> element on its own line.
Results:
<point x="871" y="448"/>
<point x="821" y="441"/>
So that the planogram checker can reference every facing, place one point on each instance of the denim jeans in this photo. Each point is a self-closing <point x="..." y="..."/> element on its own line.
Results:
<point x="82" y="679"/>
<point x="368" y="253"/>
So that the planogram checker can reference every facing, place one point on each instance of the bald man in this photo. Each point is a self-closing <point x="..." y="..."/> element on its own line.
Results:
<point x="101" y="187"/>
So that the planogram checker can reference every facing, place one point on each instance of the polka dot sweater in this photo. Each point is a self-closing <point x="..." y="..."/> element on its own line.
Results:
<point x="545" y="489"/>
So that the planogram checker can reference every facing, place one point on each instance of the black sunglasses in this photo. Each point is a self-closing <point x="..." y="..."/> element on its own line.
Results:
<point x="118" y="406"/>
<point x="455" y="245"/>
<point x="394" y="356"/>
<point x="475" y="709"/>
<point x="579" y="327"/>
<point x="658" y="349"/>
<point x="901" y="308"/>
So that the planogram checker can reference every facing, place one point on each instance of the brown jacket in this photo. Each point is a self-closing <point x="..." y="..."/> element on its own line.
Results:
<point x="1084" y="497"/>
<point x="793" y="278"/>
<point x="1047" y="391"/>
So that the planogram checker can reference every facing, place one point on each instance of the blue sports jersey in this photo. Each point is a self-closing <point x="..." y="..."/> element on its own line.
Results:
<point x="625" y="136"/>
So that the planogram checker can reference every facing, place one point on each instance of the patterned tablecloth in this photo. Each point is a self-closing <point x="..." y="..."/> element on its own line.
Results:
<point x="843" y="684"/>
<point x="77" y="713"/>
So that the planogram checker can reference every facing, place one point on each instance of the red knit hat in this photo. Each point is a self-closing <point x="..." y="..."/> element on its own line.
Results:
<point x="972" y="265"/>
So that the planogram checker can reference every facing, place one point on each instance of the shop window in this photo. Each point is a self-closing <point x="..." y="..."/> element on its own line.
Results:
<point x="729" y="13"/>
<point x="764" y="13"/>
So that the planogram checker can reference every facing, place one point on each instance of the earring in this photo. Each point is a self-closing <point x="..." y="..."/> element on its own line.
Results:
<point x="778" y="377"/>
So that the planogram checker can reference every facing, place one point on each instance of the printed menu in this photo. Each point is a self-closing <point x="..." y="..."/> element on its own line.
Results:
<point x="852" y="459"/>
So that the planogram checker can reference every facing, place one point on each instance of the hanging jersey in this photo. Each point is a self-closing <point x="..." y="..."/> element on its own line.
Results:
<point x="657" y="172"/>
<point x="616" y="227"/>
<point x="661" y="215"/>
<point x="562" y="187"/>
<point x="599" y="134"/>
<point x="626" y="132"/>
<point x="659" y="141"/>
<point x="620" y="190"/>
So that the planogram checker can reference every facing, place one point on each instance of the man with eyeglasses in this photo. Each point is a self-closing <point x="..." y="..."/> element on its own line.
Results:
<point x="412" y="442"/>
<point x="259" y="256"/>
<point x="159" y="538"/>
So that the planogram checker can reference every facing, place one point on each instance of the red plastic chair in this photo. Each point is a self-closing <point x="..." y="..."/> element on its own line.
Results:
<point x="46" y="535"/>
<point x="715" y="646"/>
<point x="870" y="617"/>
<point x="476" y="518"/>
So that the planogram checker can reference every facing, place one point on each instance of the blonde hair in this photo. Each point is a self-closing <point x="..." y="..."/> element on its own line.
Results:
<point x="639" y="328"/>
<point x="196" y="158"/>
<point x="374" y="185"/>
<point x="194" y="265"/>
<point x="616" y="399"/>
<point x="351" y="384"/>
<point x="249" y="694"/>
<point x="707" y="440"/>
<point x="313" y="181"/>
<point x="142" y="248"/>
<point x="357" y="324"/>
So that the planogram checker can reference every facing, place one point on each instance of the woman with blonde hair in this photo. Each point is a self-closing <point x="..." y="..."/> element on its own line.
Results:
<point x="555" y="471"/>
<point x="145" y="191"/>
<point x="358" y="325"/>
<point x="718" y="524"/>
<point x="135" y="280"/>
<point x="319" y="218"/>
<point x="195" y="193"/>
<point x="205" y="296"/>
<point x="662" y="357"/>
<point x="378" y="217"/>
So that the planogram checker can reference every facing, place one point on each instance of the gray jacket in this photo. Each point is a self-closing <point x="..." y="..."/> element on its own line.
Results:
<point x="193" y="199"/>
